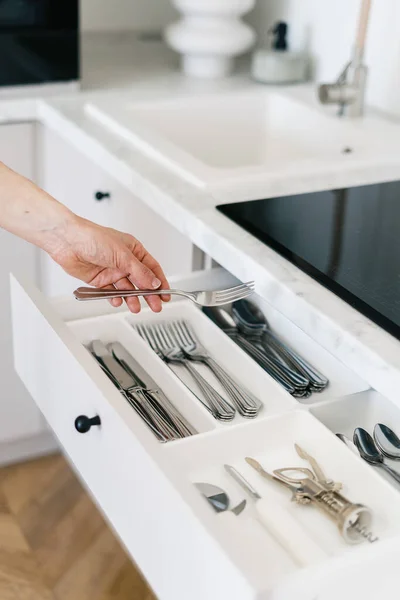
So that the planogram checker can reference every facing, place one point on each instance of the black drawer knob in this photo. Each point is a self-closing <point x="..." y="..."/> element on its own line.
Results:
<point x="101" y="195"/>
<point x="83" y="423"/>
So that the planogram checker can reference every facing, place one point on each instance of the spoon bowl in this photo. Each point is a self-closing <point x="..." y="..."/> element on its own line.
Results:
<point x="370" y="453"/>
<point x="251" y="320"/>
<point x="221" y="317"/>
<point x="387" y="441"/>
<point x="366" y="447"/>
<point x="293" y="382"/>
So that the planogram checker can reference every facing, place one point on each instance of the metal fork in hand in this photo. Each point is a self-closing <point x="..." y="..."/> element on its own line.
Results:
<point x="202" y="298"/>
<point x="247" y="405"/>
<point x="161" y="340"/>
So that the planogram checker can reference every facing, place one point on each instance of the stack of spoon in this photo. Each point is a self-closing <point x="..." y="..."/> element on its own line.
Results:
<point x="246" y="324"/>
<point x="384" y="444"/>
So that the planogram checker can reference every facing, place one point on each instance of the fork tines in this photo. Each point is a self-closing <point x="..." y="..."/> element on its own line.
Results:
<point x="235" y="293"/>
<point x="246" y="403"/>
<point x="160" y="336"/>
<point x="176" y="342"/>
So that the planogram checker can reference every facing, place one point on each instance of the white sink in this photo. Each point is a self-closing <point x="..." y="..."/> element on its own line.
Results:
<point x="228" y="137"/>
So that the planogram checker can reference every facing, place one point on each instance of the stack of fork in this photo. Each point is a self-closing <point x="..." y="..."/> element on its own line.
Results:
<point x="176" y="344"/>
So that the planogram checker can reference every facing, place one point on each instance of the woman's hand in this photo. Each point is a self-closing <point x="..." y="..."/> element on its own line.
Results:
<point x="97" y="255"/>
<point x="104" y="257"/>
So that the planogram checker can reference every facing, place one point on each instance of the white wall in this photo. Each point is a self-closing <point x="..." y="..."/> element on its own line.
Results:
<point x="328" y="29"/>
<point x="109" y="15"/>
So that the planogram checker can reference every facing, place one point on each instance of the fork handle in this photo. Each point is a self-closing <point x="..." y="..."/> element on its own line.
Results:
<point x="233" y="389"/>
<point x="86" y="293"/>
<point x="217" y="404"/>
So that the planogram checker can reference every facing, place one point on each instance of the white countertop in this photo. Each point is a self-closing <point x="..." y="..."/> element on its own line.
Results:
<point x="146" y="70"/>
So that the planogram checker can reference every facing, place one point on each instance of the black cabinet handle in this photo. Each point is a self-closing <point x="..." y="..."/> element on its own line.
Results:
<point x="83" y="423"/>
<point x="101" y="195"/>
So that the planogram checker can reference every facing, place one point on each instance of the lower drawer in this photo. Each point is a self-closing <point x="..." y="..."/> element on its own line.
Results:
<point x="145" y="488"/>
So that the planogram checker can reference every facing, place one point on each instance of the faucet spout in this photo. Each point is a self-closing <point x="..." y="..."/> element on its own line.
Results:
<point x="348" y="92"/>
<point x="349" y="89"/>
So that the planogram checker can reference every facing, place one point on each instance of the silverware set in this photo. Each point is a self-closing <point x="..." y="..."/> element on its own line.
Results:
<point x="374" y="449"/>
<point x="248" y="327"/>
<point x="201" y="297"/>
<point x="142" y="393"/>
<point x="245" y="324"/>
<point x="177" y="345"/>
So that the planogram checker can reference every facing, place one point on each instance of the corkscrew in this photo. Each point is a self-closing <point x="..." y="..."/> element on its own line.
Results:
<point x="311" y="486"/>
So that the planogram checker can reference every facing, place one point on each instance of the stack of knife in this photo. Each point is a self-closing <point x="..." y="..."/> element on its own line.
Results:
<point x="142" y="393"/>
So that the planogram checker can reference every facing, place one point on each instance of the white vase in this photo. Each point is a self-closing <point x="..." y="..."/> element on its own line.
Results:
<point x="209" y="35"/>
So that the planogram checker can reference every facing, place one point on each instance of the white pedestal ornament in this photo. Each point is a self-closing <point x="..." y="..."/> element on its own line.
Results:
<point x="209" y="35"/>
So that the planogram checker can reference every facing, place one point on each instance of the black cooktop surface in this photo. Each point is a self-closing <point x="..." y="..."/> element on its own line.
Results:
<point x="347" y="239"/>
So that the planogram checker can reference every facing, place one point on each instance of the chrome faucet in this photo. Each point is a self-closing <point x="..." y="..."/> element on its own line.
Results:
<point x="349" y="89"/>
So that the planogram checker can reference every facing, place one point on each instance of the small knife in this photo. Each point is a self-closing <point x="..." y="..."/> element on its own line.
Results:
<point x="123" y="379"/>
<point x="130" y="390"/>
<point x="238" y="477"/>
<point x="151" y="389"/>
<point x="126" y="360"/>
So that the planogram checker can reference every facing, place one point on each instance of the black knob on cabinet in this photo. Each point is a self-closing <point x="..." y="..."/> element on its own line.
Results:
<point x="83" y="423"/>
<point x="101" y="195"/>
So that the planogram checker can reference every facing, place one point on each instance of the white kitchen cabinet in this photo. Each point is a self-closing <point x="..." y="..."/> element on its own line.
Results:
<point x="146" y="490"/>
<point x="22" y="427"/>
<point x="74" y="180"/>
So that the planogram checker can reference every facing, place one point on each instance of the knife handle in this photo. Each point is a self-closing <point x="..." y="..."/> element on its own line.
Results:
<point x="288" y="532"/>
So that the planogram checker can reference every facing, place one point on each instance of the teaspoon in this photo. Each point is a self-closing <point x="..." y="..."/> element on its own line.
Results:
<point x="370" y="453"/>
<point x="387" y="441"/>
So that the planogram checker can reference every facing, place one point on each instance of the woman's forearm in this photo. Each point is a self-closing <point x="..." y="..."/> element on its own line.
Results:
<point x="29" y="212"/>
<point x="97" y="255"/>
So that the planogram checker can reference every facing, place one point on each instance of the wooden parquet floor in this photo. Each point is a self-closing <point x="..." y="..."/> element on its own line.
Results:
<point x="54" y="544"/>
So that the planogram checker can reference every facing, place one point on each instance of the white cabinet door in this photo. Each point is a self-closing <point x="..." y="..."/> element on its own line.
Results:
<point x="74" y="180"/>
<point x="19" y="416"/>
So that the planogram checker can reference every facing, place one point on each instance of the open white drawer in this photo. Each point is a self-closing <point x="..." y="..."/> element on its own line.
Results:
<point x="186" y="550"/>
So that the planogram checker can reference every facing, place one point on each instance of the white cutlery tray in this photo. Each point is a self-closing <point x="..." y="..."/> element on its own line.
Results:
<point x="364" y="409"/>
<point x="269" y="438"/>
<point x="119" y="327"/>
<point x="271" y="442"/>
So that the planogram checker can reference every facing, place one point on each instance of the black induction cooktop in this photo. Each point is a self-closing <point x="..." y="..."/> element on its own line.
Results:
<point x="347" y="239"/>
